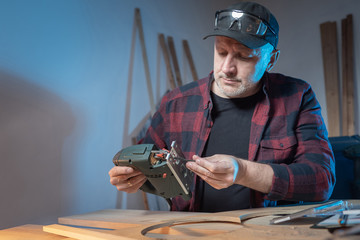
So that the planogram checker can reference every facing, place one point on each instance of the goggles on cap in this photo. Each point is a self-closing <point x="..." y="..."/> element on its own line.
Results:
<point x="242" y="22"/>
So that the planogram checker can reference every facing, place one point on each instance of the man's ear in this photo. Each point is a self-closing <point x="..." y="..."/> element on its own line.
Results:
<point x="273" y="59"/>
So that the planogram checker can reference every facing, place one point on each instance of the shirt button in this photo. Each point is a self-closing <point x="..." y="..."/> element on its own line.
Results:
<point x="281" y="145"/>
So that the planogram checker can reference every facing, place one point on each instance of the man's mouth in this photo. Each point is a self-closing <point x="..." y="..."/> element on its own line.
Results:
<point x="230" y="80"/>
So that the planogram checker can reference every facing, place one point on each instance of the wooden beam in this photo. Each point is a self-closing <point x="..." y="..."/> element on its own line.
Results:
<point x="126" y="140"/>
<point x="167" y="61"/>
<point x="174" y="60"/>
<point x="331" y="73"/>
<point x="145" y="60"/>
<point x="82" y="233"/>
<point x="190" y="59"/>
<point x="348" y="88"/>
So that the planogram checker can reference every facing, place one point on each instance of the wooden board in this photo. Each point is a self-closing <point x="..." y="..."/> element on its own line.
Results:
<point x="200" y="226"/>
<point x="190" y="59"/>
<point x="348" y="88"/>
<point x="166" y="56"/>
<point x="145" y="59"/>
<point x="331" y="74"/>
<point x="119" y="218"/>
<point x="82" y="233"/>
<point x="29" y="231"/>
<point x="173" y="55"/>
<point x="242" y="224"/>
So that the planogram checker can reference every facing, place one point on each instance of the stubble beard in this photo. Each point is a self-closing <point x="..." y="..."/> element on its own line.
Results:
<point x="230" y="91"/>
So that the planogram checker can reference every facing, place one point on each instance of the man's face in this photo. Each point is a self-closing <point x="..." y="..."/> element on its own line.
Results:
<point x="238" y="69"/>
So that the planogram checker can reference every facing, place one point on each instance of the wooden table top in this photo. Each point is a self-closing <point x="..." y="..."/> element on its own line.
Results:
<point x="133" y="224"/>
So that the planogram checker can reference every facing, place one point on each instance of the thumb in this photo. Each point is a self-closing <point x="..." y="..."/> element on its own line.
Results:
<point x="196" y="157"/>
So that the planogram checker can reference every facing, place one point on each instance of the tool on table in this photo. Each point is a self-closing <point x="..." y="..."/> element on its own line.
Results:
<point x="336" y="214"/>
<point x="164" y="169"/>
<point x="327" y="209"/>
<point x="342" y="219"/>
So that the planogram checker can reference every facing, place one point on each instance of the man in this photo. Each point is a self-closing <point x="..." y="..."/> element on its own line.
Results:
<point x="256" y="137"/>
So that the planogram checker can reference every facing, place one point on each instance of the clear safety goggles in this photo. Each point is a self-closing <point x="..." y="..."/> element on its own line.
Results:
<point x="242" y="22"/>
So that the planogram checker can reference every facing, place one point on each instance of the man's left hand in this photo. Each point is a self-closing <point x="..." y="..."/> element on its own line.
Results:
<point x="219" y="170"/>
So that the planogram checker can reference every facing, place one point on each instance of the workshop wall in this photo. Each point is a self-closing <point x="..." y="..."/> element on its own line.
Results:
<point x="63" y="87"/>
<point x="300" y="42"/>
<point x="64" y="71"/>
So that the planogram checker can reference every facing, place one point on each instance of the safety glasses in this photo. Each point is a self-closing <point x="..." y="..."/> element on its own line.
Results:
<point x="243" y="22"/>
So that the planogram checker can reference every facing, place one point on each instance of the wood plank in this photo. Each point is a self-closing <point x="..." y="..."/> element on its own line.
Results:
<point x="146" y="201"/>
<point x="254" y="224"/>
<point x="331" y="74"/>
<point x="120" y="218"/>
<point x="174" y="59"/>
<point x="126" y="138"/>
<point x="145" y="60"/>
<point x="166" y="56"/>
<point x="158" y="74"/>
<point x="247" y="231"/>
<point x="190" y="60"/>
<point x="82" y="233"/>
<point x="221" y="225"/>
<point x="29" y="231"/>
<point x="348" y="88"/>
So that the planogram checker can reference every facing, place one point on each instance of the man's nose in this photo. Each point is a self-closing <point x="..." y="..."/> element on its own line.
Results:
<point x="229" y="66"/>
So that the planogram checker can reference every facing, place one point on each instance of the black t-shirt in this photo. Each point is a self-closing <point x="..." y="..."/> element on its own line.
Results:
<point x="230" y="135"/>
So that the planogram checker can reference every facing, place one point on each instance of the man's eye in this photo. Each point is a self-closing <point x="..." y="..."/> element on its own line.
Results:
<point x="222" y="53"/>
<point x="243" y="57"/>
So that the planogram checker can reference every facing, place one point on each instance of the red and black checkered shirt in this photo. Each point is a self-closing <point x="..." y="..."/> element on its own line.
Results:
<point x="287" y="132"/>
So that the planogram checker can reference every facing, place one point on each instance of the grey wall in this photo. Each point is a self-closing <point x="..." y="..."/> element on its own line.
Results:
<point x="63" y="80"/>
<point x="300" y="41"/>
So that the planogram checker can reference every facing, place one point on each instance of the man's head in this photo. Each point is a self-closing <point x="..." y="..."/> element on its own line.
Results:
<point x="245" y="47"/>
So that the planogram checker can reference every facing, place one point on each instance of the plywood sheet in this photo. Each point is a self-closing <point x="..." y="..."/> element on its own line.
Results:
<point x="348" y="87"/>
<point x="242" y="224"/>
<point x="119" y="218"/>
<point x="331" y="74"/>
<point x="130" y="223"/>
<point x="29" y="231"/>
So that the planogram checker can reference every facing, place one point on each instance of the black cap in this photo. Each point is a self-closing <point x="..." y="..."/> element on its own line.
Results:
<point x="252" y="41"/>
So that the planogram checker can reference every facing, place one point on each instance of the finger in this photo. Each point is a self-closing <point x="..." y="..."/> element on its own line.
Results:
<point x="127" y="176"/>
<point x="131" y="185"/>
<point x="133" y="181"/>
<point x="135" y="187"/>
<point x="199" y="170"/>
<point x="123" y="171"/>
<point x="119" y="170"/>
<point x="124" y="177"/>
<point x="214" y="164"/>
<point x="217" y="183"/>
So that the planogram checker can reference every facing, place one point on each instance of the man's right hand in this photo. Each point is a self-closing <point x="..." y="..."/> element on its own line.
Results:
<point x="126" y="179"/>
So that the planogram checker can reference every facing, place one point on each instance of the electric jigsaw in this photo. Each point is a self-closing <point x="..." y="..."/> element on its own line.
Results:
<point x="164" y="169"/>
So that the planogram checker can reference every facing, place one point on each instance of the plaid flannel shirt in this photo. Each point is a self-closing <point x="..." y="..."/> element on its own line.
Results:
<point x="287" y="132"/>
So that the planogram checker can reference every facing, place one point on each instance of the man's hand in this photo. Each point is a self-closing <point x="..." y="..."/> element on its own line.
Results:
<point x="221" y="171"/>
<point x="126" y="179"/>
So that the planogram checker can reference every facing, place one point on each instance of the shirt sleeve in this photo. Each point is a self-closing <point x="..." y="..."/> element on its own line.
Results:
<point x="310" y="175"/>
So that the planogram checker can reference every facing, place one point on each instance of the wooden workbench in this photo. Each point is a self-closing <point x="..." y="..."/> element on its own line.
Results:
<point x="129" y="224"/>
